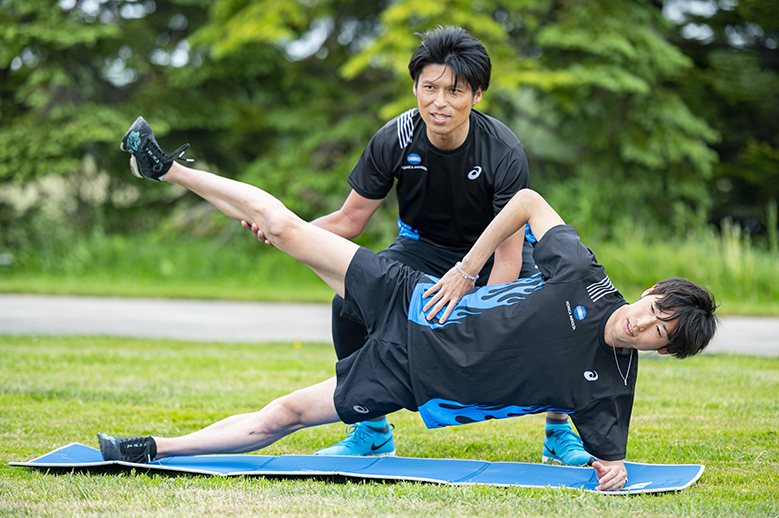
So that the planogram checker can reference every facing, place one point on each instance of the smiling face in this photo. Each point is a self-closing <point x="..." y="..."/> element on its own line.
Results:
<point x="640" y="326"/>
<point x="445" y="106"/>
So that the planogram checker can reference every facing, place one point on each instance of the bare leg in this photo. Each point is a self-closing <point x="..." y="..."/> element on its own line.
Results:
<point x="242" y="433"/>
<point x="327" y="254"/>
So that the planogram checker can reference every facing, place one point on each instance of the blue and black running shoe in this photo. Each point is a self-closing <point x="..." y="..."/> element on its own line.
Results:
<point x="364" y="439"/>
<point x="148" y="160"/>
<point x="564" y="446"/>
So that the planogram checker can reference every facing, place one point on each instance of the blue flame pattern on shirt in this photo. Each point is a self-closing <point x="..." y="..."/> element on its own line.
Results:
<point x="475" y="302"/>
<point x="437" y="413"/>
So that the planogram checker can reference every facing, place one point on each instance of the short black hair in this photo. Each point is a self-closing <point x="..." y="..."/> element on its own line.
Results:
<point x="692" y="307"/>
<point x="455" y="48"/>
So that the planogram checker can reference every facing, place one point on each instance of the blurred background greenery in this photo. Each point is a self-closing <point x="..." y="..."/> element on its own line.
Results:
<point x="652" y="126"/>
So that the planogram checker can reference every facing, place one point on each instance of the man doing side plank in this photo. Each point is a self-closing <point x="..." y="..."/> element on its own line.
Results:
<point x="563" y="340"/>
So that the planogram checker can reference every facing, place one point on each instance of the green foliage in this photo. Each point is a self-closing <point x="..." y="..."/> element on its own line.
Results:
<point x="743" y="277"/>
<point x="72" y="77"/>
<point x="290" y="92"/>
<point x="584" y="85"/>
<point x="623" y="119"/>
<point x="734" y="85"/>
<point x="50" y="100"/>
<point x="636" y="148"/>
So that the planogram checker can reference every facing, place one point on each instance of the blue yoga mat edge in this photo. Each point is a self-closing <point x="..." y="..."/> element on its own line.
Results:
<point x="642" y="477"/>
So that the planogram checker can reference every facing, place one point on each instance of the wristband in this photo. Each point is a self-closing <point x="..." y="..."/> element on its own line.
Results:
<point x="469" y="277"/>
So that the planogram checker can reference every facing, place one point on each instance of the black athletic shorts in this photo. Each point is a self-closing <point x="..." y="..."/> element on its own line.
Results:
<point x="374" y="381"/>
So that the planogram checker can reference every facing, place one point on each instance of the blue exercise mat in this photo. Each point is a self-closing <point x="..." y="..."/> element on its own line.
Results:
<point x="642" y="478"/>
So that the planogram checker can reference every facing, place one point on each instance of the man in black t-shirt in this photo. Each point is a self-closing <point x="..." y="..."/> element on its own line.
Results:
<point x="502" y="351"/>
<point x="453" y="169"/>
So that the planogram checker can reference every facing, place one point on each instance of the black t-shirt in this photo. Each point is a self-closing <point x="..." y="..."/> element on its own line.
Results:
<point x="530" y="346"/>
<point x="444" y="197"/>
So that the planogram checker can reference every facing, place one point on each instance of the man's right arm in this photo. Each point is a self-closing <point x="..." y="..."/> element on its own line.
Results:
<point x="525" y="207"/>
<point x="612" y="475"/>
<point x="350" y="220"/>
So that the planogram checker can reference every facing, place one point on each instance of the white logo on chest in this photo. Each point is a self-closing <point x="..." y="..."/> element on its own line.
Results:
<point x="474" y="173"/>
<point x="590" y="375"/>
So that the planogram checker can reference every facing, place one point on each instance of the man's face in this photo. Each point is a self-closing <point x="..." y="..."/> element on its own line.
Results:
<point x="639" y="326"/>
<point x="445" y="106"/>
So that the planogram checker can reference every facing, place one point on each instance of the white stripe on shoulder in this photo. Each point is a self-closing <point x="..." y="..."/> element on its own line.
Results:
<point x="600" y="289"/>
<point x="406" y="127"/>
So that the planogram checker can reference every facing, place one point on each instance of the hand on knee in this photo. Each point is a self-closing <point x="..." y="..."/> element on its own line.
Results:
<point x="277" y="223"/>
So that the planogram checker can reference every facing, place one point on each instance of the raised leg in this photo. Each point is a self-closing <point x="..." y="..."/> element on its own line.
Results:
<point x="327" y="254"/>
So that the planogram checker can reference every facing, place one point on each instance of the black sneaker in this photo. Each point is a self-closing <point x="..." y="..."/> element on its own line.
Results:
<point x="148" y="160"/>
<point x="140" y="450"/>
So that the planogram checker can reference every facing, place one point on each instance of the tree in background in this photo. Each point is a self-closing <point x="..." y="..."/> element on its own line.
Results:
<point x="584" y="84"/>
<point x="288" y="94"/>
<point x="734" y="85"/>
<point x="71" y="75"/>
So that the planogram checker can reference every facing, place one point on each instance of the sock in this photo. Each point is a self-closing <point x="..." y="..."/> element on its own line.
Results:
<point x="556" y="424"/>
<point x="379" y="426"/>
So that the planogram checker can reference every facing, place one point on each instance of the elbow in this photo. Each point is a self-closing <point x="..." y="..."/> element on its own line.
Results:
<point x="352" y="232"/>
<point x="351" y="228"/>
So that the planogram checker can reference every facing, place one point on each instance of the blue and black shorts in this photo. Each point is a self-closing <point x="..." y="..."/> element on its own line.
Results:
<point x="375" y="381"/>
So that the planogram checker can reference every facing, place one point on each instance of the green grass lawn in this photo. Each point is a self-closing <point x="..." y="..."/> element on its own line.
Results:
<point x="718" y="410"/>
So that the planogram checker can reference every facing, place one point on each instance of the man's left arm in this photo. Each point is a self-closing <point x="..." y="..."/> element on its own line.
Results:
<point x="612" y="475"/>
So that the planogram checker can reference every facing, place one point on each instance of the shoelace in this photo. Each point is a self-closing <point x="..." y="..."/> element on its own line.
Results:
<point x="137" y="448"/>
<point x="176" y="155"/>
<point x="355" y="432"/>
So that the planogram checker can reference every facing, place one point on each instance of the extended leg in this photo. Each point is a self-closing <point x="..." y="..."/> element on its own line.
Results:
<point x="325" y="253"/>
<point x="240" y="433"/>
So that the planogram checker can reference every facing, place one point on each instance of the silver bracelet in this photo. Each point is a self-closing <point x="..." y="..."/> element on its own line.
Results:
<point x="469" y="277"/>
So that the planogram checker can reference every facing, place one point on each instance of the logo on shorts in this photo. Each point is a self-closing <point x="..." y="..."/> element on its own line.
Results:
<point x="590" y="375"/>
<point x="579" y="312"/>
<point x="474" y="173"/>
<point x="360" y="409"/>
<point x="414" y="159"/>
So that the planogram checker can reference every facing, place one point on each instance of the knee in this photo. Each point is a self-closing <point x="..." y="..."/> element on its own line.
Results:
<point x="279" y="222"/>
<point x="281" y="416"/>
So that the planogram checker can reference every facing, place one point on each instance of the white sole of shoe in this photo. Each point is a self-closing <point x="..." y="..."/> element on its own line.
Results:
<point x="388" y="454"/>
<point x="134" y="167"/>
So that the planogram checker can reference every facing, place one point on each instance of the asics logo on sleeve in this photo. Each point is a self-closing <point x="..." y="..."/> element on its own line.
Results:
<point x="474" y="173"/>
